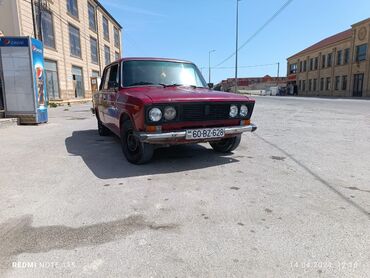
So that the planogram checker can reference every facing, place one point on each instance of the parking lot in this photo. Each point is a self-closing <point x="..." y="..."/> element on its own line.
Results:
<point x="292" y="200"/>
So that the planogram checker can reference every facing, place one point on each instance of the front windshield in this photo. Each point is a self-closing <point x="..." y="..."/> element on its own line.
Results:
<point x="137" y="73"/>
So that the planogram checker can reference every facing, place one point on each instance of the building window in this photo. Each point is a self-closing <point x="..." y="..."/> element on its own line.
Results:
<point x="346" y="56"/>
<point x="94" y="50"/>
<point x="310" y="85"/>
<point x="300" y="85"/>
<point x="117" y="56"/>
<point x="337" y="83"/>
<point x="95" y="73"/>
<point x="361" y="52"/>
<point x="344" y="82"/>
<point x="322" y="84"/>
<point x="304" y="85"/>
<point x="107" y="54"/>
<point x="92" y="18"/>
<point x="74" y="41"/>
<point x="316" y="63"/>
<point x="314" y="85"/>
<point x="47" y="29"/>
<point x="300" y="66"/>
<point x="304" y="65"/>
<point x="323" y="59"/>
<point x="51" y="78"/>
<point x="329" y="60"/>
<point x="311" y="64"/>
<point x="328" y="83"/>
<point x="72" y="7"/>
<point x="116" y="38"/>
<point x="292" y="68"/>
<point x="339" y="57"/>
<point x="106" y="28"/>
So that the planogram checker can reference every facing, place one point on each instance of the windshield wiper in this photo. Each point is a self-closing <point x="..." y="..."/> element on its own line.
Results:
<point x="177" y="85"/>
<point x="142" y="83"/>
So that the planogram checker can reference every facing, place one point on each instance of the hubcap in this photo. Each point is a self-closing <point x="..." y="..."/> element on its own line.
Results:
<point x="132" y="142"/>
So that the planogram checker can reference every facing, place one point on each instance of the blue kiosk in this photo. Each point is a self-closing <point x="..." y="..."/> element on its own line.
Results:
<point x="23" y="79"/>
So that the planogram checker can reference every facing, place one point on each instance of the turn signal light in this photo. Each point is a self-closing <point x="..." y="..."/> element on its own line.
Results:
<point x="153" y="128"/>
<point x="245" y="122"/>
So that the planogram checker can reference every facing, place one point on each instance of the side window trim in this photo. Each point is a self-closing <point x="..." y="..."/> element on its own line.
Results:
<point x="106" y="78"/>
<point x="121" y="74"/>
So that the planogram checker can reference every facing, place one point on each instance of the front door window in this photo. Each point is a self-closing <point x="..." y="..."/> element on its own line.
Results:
<point x="78" y="82"/>
<point x="358" y="82"/>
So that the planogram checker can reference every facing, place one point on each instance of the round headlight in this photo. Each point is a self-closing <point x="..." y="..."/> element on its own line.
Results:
<point x="169" y="113"/>
<point x="243" y="111"/>
<point x="233" y="111"/>
<point x="155" y="114"/>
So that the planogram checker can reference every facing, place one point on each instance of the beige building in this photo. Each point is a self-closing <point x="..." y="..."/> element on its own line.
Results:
<point x="336" y="66"/>
<point x="80" y="37"/>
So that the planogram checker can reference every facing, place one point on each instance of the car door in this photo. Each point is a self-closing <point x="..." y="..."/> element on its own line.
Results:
<point x="102" y="97"/>
<point x="111" y="97"/>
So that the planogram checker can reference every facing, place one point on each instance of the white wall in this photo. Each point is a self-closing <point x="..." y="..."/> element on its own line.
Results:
<point x="9" y="18"/>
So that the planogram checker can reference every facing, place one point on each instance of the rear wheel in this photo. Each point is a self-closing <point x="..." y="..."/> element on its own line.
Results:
<point x="135" y="151"/>
<point x="102" y="129"/>
<point x="226" y="145"/>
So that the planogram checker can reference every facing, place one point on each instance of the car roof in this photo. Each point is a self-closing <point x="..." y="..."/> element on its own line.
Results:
<point x="153" y="59"/>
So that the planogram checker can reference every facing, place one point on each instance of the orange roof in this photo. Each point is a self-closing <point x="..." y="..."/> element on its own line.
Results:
<point x="326" y="42"/>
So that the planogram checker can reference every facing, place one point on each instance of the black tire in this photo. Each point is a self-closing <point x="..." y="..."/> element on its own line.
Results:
<point x="135" y="151"/>
<point x="226" y="145"/>
<point x="102" y="129"/>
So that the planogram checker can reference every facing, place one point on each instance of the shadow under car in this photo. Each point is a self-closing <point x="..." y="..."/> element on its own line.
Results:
<point x="104" y="157"/>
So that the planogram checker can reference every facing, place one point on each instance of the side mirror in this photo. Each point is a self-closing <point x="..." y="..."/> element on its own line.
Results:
<point x="210" y="85"/>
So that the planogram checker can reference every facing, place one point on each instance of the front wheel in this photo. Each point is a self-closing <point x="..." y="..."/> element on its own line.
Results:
<point x="135" y="151"/>
<point x="226" y="145"/>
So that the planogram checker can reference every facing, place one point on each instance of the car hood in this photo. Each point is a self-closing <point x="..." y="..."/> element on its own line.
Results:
<point x="187" y="94"/>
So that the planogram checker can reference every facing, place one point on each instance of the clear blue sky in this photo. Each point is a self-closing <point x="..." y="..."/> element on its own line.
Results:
<point x="188" y="29"/>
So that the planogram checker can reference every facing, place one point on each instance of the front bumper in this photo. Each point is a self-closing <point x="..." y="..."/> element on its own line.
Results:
<point x="181" y="135"/>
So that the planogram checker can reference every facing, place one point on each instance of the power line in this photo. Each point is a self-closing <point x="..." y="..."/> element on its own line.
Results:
<point x="259" y="30"/>
<point x="241" y="67"/>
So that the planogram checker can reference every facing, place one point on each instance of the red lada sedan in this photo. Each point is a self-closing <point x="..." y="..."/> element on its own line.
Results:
<point x="151" y="103"/>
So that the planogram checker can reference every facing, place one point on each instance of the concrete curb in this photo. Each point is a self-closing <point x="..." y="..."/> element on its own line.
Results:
<point x="7" y="122"/>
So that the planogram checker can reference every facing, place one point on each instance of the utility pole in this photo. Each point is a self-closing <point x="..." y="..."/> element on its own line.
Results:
<point x="278" y="72"/>
<point x="236" y="45"/>
<point x="209" y="65"/>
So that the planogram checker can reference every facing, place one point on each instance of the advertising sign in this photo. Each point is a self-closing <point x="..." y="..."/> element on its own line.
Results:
<point x="39" y="80"/>
<point x="23" y="77"/>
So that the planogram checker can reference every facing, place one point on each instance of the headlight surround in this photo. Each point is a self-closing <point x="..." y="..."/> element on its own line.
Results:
<point x="233" y="111"/>
<point x="169" y="113"/>
<point x="243" y="111"/>
<point x="155" y="114"/>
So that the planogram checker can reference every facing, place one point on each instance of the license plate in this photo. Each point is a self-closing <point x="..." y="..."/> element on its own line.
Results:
<point x="193" y="134"/>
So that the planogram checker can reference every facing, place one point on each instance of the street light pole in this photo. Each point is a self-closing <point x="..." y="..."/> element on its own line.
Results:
<point x="236" y="45"/>
<point x="209" y="65"/>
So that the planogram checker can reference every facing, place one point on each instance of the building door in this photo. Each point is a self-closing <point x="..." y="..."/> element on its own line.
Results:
<point x="358" y="82"/>
<point x="52" y="83"/>
<point x="1" y="94"/>
<point x="78" y="82"/>
<point x="94" y="82"/>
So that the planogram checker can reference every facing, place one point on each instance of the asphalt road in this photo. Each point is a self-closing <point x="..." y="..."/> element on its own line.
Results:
<point x="291" y="201"/>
